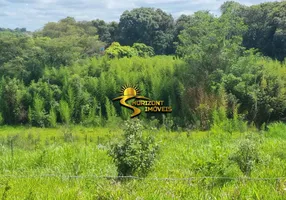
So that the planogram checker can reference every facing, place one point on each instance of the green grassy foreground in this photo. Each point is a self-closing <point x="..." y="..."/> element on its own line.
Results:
<point x="59" y="163"/>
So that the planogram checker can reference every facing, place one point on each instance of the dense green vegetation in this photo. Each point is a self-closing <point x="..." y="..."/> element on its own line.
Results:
<point x="69" y="71"/>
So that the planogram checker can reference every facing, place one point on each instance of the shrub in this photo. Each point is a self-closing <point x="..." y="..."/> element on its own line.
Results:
<point x="117" y="51"/>
<point x="136" y="154"/>
<point x="246" y="156"/>
<point x="143" y="50"/>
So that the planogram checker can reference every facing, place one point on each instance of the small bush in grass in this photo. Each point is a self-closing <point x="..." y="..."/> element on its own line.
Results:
<point x="136" y="154"/>
<point x="246" y="156"/>
<point x="68" y="135"/>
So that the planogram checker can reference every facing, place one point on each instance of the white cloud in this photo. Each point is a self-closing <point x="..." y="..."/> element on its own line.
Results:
<point x="33" y="14"/>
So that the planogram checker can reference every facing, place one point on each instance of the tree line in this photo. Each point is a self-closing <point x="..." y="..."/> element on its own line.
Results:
<point x="206" y="67"/>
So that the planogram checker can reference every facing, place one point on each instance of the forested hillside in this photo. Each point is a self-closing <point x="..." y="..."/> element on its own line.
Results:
<point x="229" y="68"/>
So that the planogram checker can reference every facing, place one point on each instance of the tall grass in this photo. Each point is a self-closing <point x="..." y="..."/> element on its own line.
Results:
<point x="59" y="163"/>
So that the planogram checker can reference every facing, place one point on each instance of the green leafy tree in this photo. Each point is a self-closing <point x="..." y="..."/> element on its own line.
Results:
<point x="117" y="51"/>
<point x="149" y="26"/>
<point x="210" y="43"/>
<point x="143" y="50"/>
<point x="266" y="27"/>
<point x="108" y="32"/>
<point x="12" y="101"/>
<point x="67" y="27"/>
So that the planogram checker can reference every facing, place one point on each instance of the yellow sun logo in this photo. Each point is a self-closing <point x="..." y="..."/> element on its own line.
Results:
<point x="130" y="92"/>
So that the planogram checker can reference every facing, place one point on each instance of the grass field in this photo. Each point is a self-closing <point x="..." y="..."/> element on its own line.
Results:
<point x="71" y="163"/>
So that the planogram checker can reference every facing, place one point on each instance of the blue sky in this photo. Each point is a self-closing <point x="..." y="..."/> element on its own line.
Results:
<point x="34" y="14"/>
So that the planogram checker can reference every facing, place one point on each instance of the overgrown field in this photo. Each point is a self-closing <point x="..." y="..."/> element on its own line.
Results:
<point x="73" y="163"/>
